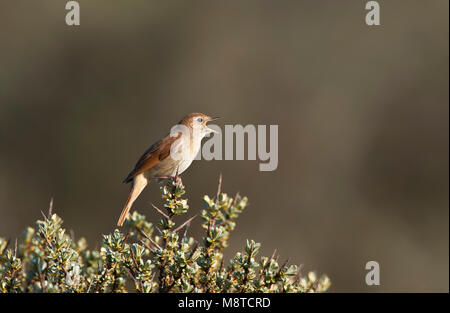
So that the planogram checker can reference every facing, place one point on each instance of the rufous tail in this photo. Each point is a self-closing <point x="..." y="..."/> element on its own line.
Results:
<point x="139" y="183"/>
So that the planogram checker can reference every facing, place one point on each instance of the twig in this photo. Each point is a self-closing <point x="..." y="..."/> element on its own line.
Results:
<point x="149" y="238"/>
<point x="50" y="207"/>
<point x="273" y="254"/>
<point x="185" y="223"/>
<point x="299" y="273"/>
<point x="148" y="246"/>
<point x="159" y="230"/>
<point x="136" y="282"/>
<point x="284" y="264"/>
<point x="15" y="248"/>
<point x="185" y="230"/>
<point x="219" y="188"/>
<point x="41" y="278"/>
<point x="45" y="237"/>
<point x="72" y="234"/>
<point x="90" y="284"/>
<point x="161" y="212"/>
<point x="221" y="266"/>
<point x="137" y="268"/>
<point x="235" y="198"/>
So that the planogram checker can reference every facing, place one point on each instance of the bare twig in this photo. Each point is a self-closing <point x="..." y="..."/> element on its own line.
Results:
<point x="284" y="264"/>
<point x="185" y="230"/>
<point x="50" y="207"/>
<point x="90" y="284"/>
<point x="45" y="236"/>
<point x="184" y="224"/>
<point x="15" y="248"/>
<point x="41" y="279"/>
<point x="219" y="188"/>
<point x="149" y="238"/>
<point x="72" y="234"/>
<point x="235" y="198"/>
<point x="160" y="212"/>
<point x="299" y="273"/>
<point x="273" y="254"/>
<point x="148" y="246"/>
<point x="137" y="267"/>
<point x="159" y="230"/>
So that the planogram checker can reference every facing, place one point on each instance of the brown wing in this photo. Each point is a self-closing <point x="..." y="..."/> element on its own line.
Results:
<point x="155" y="154"/>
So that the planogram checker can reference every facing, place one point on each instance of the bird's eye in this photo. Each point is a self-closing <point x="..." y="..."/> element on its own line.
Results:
<point x="200" y="119"/>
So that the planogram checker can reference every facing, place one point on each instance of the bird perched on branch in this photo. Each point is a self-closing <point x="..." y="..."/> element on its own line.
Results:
<point x="169" y="156"/>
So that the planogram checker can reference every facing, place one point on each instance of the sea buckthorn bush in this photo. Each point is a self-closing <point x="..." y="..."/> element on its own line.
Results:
<point x="145" y="257"/>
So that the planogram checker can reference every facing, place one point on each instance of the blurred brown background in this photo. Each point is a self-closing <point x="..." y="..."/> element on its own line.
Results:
<point x="362" y="114"/>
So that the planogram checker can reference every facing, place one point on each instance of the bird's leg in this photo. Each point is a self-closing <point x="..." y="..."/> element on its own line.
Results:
<point x="175" y="177"/>
<point x="163" y="177"/>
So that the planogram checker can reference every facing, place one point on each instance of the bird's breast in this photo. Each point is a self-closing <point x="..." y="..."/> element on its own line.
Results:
<point x="182" y="153"/>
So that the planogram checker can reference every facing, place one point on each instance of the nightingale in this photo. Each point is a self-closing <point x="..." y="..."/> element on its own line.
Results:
<point x="169" y="156"/>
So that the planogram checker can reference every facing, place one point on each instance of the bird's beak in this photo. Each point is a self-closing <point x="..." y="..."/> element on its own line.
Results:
<point x="210" y="120"/>
<point x="212" y="130"/>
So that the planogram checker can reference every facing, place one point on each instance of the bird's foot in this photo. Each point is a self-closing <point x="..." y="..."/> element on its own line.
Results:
<point x="176" y="178"/>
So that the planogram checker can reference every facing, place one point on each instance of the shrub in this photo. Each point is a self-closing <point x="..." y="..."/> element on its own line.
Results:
<point x="149" y="258"/>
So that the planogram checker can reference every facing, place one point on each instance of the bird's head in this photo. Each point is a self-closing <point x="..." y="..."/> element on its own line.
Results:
<point x="197" y="123"/>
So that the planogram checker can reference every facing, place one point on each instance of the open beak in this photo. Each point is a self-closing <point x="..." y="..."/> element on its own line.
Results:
<point x="210" y="120"/>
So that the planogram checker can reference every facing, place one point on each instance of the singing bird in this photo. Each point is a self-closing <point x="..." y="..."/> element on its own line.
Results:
<point x="159" y="161"/>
